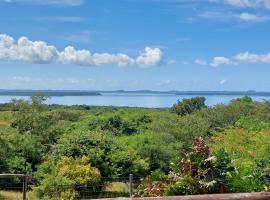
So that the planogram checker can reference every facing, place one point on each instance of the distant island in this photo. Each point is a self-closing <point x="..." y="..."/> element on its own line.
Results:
<point x="59" y="93"/>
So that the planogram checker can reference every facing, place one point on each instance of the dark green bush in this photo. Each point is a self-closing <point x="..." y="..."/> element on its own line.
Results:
<point x="187" y="106"/>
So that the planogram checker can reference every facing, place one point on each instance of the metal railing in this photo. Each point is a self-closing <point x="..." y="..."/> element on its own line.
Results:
<point x="24" y="180"/>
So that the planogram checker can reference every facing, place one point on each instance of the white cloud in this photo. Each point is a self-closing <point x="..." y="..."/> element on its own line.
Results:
<point x="221" y="61"/>
<point x="253" y="58"/>
<point x="39" y="52"/>
<point x="249" y="3"/>
<point x="200" y="62"/>
<point x="85" y="58"/>
<point x="232" y="16"/>
<point x="35" y="52"/>
<point x="6" y="44"/>
<point x="149" y="57"/>
<point x="247" y="17"/>
<point x="47" y="2"/>
<point x="239" y="3"/>
<point x="244" y="57"/>
<point x="26" y="50"/>
<point x="119" y="59"/>
<point x="222" y="82"/>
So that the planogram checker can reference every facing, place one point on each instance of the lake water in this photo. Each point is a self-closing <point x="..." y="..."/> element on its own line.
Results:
<point x="132" y="100"/>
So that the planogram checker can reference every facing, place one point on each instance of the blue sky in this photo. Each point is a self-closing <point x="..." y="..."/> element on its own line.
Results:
<point x="135" y="44"/>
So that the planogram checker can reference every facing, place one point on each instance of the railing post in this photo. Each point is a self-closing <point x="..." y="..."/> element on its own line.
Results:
<point x="24" y="186"/>
<point x="131" y="185"/>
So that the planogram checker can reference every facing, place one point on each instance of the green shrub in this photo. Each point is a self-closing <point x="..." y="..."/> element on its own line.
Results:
<point x="187" y="106"/>
<point x="64" y="176"/>
<point x="249" y="149"/>
<point x="114" y="124"/>
<point x="196" y="173"/>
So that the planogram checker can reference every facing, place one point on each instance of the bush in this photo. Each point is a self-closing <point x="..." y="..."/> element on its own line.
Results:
<point x="60" y="179"/>
<point x="114" y="124"/>
<point x="67" y="115"/>
<point x="249" y="148"/>
<point x="187" y="106"/>
<point x="104" y="152"/>
<point x="197" y="172"/>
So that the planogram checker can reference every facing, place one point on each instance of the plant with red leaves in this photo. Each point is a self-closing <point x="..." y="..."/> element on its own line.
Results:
<point x="198" y="172"/>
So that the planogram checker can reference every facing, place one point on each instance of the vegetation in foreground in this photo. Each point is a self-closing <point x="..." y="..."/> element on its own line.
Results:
<point x="188" y="149"/>
<point x="15" y="195"/>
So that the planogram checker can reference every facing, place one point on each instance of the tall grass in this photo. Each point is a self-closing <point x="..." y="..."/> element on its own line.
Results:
<point x="13" y="195"/>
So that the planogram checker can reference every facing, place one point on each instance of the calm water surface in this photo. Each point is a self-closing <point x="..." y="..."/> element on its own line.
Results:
<point x="132" y="100"/>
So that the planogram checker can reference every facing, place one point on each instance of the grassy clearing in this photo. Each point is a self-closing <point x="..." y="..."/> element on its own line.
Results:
<point x="117" y="187"/>
<point x="13" y="195"/>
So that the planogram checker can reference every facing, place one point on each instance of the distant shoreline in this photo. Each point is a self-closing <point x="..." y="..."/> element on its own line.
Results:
<point x="53" y="93"/>
<point x="99" y="93"/>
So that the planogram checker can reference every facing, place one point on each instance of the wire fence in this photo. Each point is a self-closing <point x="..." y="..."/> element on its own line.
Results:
<point x="107" y="187"/>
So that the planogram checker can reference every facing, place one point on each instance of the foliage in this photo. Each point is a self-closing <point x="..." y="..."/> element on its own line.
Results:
<point x="157" y="151"/>
<point x="36" y="138"/>
<point x="197" y="172"/>
<point x="29" y="116"/>
<point x="187" y="106"/>
<point x="104" y="153"/>
<point x="118" y="126"/>
<point x="60" y="181"/>
<point x="67" y="115"/>
<point x="248" y="145"/>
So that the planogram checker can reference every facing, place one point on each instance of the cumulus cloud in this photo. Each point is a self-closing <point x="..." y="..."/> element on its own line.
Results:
<point x="149" y="57"/>
<point x="253" y="58"/>
<point x="47" y="2"/>
<point x="84" y="57"/>
<point x="200" y="62"/>
<point x="244" y="57"/>
<point x="221" y="61"/>
<point x="42" y="53"/>
<point x="26" y="50"/>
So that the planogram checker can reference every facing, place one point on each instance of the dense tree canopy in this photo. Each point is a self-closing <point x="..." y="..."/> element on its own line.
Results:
<point x="65" y="148"/>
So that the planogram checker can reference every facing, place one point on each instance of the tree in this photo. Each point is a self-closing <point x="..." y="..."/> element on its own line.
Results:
<point x="31" y="117"/>
<point x="4" y="154"/>
<point x="112" y="159"/>
<point x="28" y="115"/>
<point x="60" y="179"/>
<point x="187" y="106"/>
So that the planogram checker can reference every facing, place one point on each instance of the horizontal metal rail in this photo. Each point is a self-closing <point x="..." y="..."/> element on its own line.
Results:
<point x="23" y="176"/>
<point x="12" y="175"/>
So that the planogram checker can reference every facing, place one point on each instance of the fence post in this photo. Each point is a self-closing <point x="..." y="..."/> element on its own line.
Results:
<point x="24" y="186"/>
<point x="131" y="185"/>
